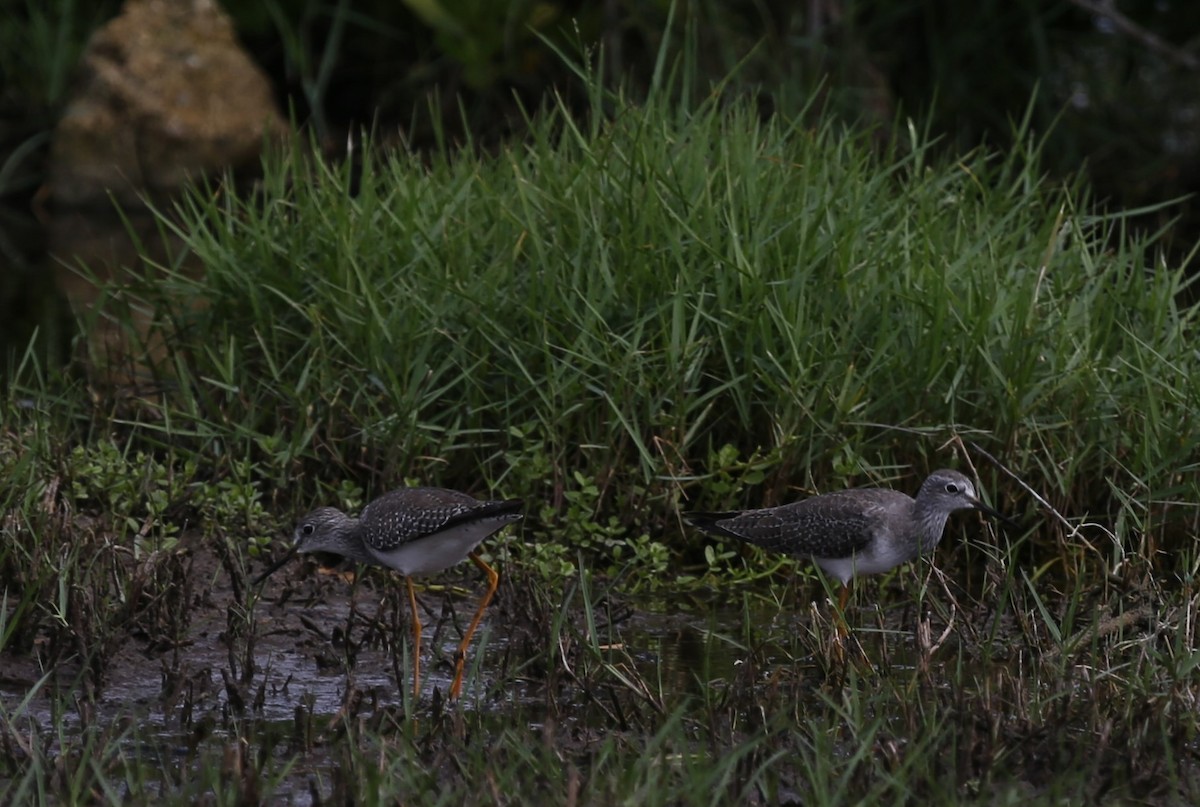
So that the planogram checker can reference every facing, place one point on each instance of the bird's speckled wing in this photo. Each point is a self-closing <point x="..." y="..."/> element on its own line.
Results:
<point x="835" y="525"/>
<point x="409" y="514"/>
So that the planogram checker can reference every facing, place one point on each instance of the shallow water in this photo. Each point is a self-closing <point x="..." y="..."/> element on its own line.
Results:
<point x="181" y="707"/>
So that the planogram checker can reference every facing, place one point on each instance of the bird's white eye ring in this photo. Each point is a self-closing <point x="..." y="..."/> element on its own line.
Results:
<point x="307" y="529"/>
<point x="952" y="488"/>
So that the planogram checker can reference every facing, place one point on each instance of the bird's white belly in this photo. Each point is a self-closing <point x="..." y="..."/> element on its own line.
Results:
<point x="440" y="550"/>
<point x="886" y="557"/>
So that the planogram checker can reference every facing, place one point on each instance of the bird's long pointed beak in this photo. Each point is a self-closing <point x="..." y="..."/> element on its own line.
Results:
<point x="277" y="565"/>
<point x="978" y="505"/>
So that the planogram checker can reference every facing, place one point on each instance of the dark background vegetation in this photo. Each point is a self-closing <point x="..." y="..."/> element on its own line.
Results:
<point x="1112" y="89"/>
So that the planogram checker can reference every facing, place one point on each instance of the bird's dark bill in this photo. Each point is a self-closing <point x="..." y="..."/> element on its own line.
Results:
<point x="327" y="560"/>
<point x="993" y="513"/>
<point x="276" y="566"/>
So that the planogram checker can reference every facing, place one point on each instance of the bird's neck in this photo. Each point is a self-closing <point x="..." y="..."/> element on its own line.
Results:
<point x="932" y="522"/>
<point x="353" y="542"/>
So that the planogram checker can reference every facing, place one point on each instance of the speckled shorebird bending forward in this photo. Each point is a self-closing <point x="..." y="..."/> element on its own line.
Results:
<point x="414" y="531"/>
<point x="852" y="532"/>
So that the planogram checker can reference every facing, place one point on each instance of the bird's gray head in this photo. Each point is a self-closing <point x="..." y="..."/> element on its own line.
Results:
<point x="943" y="493"/>
<point x="326" y="529"/>
<point x="948" y="491"/>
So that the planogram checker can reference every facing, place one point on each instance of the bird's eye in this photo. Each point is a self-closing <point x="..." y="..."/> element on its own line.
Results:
<point x="952" y="487"/>
<point x="307" y="529"/>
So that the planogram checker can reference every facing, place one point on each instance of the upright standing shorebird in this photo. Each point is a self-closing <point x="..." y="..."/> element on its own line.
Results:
<point x="413" y="531"/>
<point x="853" y="532"/>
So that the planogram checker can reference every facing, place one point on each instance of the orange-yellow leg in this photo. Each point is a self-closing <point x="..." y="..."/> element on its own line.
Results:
<point x="837" y="650"/>
<point x="461" y="658"/>
<point x="843" y="598"/>
<point x="416" y="652"/>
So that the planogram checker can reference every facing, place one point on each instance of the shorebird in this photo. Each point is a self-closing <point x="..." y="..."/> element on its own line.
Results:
<point x="853" y="532"/>
<point x="413" y="531"/>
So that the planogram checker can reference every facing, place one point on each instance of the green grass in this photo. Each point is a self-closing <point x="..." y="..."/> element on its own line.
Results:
<point x="660" y="308"/>
<point x="615" y="303"/>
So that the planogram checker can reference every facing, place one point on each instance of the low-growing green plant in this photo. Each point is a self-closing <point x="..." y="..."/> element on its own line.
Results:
<point x="730" y="477"/>
<point x="233" y="504"/>
<point x="133" y="495"/>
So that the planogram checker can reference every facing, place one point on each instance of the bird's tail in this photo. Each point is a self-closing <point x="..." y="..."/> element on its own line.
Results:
<point x="710" y="523"/>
